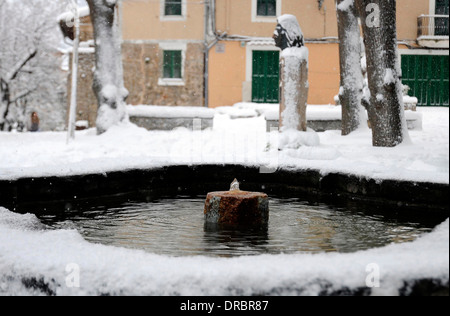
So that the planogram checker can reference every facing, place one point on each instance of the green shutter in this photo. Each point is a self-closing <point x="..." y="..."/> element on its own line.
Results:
<point x="172" y="64"/>
<point x="265" y="78"/>
<point x="441" y="24"/>
<point x="428" y="78"/>
<point x="173" y="7"/>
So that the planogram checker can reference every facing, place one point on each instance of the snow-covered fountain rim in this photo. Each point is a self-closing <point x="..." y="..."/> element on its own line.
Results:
<point x="33" y="255"/>
<point x="117" y="271"/>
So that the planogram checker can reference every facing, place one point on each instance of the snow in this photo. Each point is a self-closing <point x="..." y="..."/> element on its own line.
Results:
<point x="69" y="265"/>
<point x="345" y="5"/>
<point x="313" y="113"/>
<point x="170" y="112"/>
<point x="69" y="16"/>
<point x="243" y="141"/>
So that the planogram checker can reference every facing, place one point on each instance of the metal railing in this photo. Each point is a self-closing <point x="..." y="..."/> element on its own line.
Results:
<point x="432" y="26"/>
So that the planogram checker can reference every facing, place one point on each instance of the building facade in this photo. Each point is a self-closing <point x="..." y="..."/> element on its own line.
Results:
<point x="221" y="52"/>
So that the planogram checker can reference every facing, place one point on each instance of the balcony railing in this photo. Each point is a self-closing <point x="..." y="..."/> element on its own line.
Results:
<point x="432" y="26"/>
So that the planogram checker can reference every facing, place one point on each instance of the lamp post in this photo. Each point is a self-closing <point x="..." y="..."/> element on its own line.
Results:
<point x="73" y="97"/>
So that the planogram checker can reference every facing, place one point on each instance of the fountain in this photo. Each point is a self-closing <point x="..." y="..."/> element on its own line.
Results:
<point x="236" y="207"/>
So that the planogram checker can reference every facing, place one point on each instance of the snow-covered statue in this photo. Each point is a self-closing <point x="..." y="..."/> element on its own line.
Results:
<point x="288" y="33"/>
<point x="294" y="85"/>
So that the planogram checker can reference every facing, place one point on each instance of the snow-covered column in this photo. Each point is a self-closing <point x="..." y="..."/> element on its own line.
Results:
<point x="108" y="77"/>
<point x="350" y="92"/>
<point x="294" y="86"/>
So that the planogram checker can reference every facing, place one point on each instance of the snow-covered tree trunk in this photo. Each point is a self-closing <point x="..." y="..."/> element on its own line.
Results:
<point x="385" y="102"/>
<point x="350" y="92"/>
<point x="108" y="77"/>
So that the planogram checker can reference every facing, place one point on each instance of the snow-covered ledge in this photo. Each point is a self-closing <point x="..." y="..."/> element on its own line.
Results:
<point x="154" y="117"/>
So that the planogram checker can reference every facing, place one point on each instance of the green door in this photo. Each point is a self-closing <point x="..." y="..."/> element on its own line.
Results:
<point x="265" y="78"/>
<point x="428" y="78"/>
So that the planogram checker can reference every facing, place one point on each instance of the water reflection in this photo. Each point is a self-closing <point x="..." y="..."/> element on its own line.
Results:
<point x="176" y="227"/>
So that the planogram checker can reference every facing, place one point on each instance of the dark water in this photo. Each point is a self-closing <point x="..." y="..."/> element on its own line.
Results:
<point x="176" y="227"/>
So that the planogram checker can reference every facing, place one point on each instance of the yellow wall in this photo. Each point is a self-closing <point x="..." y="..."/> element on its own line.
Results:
<point x="228" y="73"/>
<point x="235" y="18"/>
<point x="407" y="13"/>
<point x="142" y="21"/>
<point x="323" y="73"/>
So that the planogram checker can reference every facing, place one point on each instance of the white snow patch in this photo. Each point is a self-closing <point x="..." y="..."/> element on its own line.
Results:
<point x="170" y="111"/>
<point x="243" y="141"/>
<point x="345" y="5"/>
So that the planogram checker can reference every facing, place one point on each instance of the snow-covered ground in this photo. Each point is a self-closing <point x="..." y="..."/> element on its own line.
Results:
<point x="245" y="141"/>
<point x="38" y="260"/>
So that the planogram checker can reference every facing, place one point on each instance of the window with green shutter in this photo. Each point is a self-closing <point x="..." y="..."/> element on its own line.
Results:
<point x="172" y="68"/>
<point x="267" y="8"/>
<point x="173" y="8"/>
<point x="441" y="23"/>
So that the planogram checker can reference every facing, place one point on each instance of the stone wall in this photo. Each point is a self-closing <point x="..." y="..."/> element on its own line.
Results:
<point x="142" y="65"/>
<point x="86" y="100"/>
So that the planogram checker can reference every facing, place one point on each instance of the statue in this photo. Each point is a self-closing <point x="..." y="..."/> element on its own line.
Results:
<point x="288" y="33"/>
<point x="294" y="85"/>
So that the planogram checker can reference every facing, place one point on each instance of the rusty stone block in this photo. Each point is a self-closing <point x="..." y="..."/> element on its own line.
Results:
<point x="236" y="207"/>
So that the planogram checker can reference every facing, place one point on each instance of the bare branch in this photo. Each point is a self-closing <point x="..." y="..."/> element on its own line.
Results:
<point x="23" y="94"/>
<point x="16" y="69"/>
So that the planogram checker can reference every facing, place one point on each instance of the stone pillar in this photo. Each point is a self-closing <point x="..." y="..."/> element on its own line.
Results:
<point x="294" y="85"/>
<point x="294" y="89"/>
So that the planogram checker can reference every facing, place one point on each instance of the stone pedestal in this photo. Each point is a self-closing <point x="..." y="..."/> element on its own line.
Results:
<point x="237" y="208"/>
<point x="294" y="89"/>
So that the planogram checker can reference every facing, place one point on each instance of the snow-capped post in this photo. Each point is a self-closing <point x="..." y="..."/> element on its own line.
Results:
<point x="384" y="100"/>
<point x="108" y="77"/>
<point x="73" y="96"/>
<point x="293" y="73"/>
<point x="294" y="84"/>
<point x="351" y="87"/>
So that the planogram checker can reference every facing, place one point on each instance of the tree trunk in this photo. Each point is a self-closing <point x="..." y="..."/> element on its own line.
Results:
<point x="4" y="104"/>
<point x="350" y="92"/>
<point x="108" y="79"/>
<point x="385" y="105"/>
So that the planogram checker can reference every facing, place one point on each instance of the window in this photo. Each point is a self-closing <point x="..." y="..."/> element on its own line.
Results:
<point x="266" y="11"/>
<point x="172" y="64"/>
<point x="173" y="8"/>
<point x="267" y="8"/>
